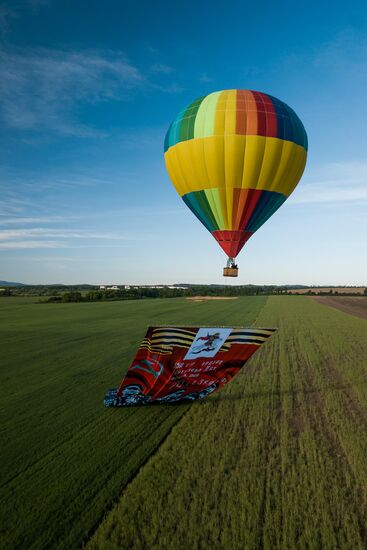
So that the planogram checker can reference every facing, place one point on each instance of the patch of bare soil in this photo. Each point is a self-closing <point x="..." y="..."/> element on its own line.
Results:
<point x="354" y="305"/>
<point x="317" y="289"/>
<point x="205" y="298"/>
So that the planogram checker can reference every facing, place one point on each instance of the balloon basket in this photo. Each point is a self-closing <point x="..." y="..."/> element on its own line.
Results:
<point x="230" y="272"/>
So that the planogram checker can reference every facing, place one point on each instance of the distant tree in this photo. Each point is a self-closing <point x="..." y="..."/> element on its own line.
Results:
<point x="72" y="297"/>
<point x="365" y="291"/>
<point x="6" y="292"/>
<point x="52" y="299"/>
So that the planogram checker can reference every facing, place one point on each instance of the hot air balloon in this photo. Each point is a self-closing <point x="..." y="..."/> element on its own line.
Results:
<point x="234" y="157"/>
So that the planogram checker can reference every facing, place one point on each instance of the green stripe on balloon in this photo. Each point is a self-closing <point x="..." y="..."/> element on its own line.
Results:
<point x="268" y="203"/>
<point x="198" y="204"/>
<point x="188" y="120"/>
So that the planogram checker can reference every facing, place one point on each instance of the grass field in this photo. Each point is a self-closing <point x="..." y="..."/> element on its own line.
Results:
<point x="64" y="458"/>
<point x="275" y="460"/>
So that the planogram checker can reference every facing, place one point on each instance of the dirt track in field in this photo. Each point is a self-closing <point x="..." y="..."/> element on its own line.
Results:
<point x="205" y="298"/>
<point x="354" y="305"/>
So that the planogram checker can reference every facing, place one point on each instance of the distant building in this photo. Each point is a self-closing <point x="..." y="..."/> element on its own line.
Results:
<point x="114" y="287"/>
<point x="102" y="287"/>
<point x="178" y="287"/>
<point x="127" y="287"/>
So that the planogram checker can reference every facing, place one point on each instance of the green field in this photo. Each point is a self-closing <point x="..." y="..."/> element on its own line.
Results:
<point x="275" y="460"/>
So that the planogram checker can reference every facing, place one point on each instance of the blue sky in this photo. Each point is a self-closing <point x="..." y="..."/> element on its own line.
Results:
<point x="87" y="92"/>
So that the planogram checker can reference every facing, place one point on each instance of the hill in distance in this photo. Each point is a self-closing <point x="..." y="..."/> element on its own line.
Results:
<point x="10" y="283"/>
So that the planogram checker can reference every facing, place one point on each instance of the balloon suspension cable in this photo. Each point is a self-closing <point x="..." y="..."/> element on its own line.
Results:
<point x="230" y="262"/>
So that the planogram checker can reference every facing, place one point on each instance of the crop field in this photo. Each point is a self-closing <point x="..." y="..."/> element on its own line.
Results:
<point x="355" y="305"/>
<point x="275" y="460"/>
<point x="339" y="289"/>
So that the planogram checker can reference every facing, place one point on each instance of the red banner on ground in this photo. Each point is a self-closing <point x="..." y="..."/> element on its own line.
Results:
<point x="185" y="363"/>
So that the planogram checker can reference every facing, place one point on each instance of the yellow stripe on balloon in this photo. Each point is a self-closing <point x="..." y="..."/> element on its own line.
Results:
<point x="231" y="113"/>
<point x="197" y="166"/>
<point x="220" y="114"/>
<point x="214" y="161"/>
<point x="171" y="169"/>
<point x="254" y="152"/>
<point x="182" y="172"/>
<point x="290" y="168"/>
<point x="273" y="150"/>
<point x="235" y="161"/>
<point x="233" y="165"/>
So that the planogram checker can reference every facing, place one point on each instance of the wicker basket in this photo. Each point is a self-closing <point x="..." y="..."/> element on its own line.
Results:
<point x="230" y="272"/>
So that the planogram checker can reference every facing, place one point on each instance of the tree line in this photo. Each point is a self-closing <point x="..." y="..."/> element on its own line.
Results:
<point x="84" y="293"/>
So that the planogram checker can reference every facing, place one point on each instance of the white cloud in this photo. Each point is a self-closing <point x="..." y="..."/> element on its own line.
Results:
<point x="205" y="79"/>
<point x="43" y="237"/>
<point x="27" y="195"/>
<point x="160" y="68"/>
<point x="333" y="183"/>
<point x="6" y="14"/>
<point x="34" y="244"/>
<point x="338" y="63"/>
<point x="9" y="234"/>
<point x="344" y="53"/>
<point x="15" y="245"/>
<point x="173" y="88"/>
<point x="30" y="220"/>
<point x="40" y="88"/>
<point x="330" y="192"/>
<point x="13" y="205"/>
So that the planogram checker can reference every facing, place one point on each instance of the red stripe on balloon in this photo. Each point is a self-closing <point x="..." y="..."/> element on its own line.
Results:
<point x="271" y="115"/>
<point x="246" y="200"/>
<point x="255" y="114"/>
<point x="261" y="114"/>
<point x="241" y="112"/>
<point x="231" y="241"/>
<point x="246" y="113"/>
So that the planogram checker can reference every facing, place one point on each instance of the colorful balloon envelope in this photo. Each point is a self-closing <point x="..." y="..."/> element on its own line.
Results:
<point x="234" y="157"/>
